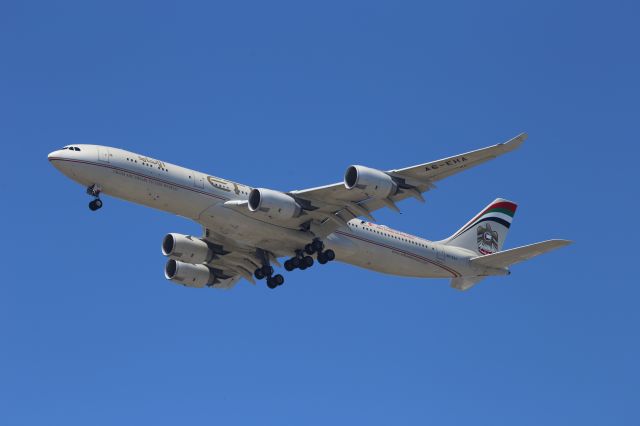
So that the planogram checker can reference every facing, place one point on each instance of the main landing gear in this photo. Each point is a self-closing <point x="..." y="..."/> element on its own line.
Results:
<point x="266" y="271"/>
<point x="94" y="191"/>
<point x="303" y="260"/>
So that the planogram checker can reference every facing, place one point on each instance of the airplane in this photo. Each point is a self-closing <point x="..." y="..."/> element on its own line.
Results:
<point x="247" y="230"/>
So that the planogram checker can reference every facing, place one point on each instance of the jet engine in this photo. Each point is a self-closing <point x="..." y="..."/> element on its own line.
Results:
<point x="186" y="248"/>
<point x="188" y="274"/>
<point x="275" y="204"/>
<point x="374" y="183"/>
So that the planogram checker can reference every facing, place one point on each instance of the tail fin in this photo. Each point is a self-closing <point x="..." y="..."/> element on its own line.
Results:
<point x="486" y="232"/>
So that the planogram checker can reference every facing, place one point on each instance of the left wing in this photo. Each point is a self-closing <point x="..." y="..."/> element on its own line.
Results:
<point x="333" y="205"/>
<point x="233" y="260"/>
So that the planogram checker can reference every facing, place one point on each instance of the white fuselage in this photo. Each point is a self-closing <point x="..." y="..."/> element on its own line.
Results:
<point x="201" y="197"/>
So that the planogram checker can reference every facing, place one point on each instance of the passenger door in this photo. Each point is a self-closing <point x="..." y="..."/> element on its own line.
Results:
<point x="198" y="180"/>
<point x="103" y="154"/>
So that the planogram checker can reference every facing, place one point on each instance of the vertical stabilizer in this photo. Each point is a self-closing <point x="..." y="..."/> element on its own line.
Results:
<point x="486" y="232"/>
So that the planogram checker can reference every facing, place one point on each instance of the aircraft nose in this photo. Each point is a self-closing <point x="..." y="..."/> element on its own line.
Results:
<point x="55" y="157"/>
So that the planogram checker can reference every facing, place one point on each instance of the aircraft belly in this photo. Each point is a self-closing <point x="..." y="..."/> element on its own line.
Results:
<point x="344" y="248"/>
<point x="393" y="261"/>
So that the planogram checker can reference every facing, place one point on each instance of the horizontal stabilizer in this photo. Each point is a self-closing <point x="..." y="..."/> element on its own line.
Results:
<point x="506" y="258"/>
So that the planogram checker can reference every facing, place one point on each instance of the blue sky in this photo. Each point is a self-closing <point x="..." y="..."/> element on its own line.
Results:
<point x="286" y="96"/>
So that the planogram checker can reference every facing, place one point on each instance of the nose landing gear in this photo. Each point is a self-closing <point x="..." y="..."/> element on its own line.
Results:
<point x="94" y="190"/>
<point x="95" y="204"/>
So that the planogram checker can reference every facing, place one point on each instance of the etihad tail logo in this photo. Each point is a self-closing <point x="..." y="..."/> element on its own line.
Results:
<point x="487" y="239"/>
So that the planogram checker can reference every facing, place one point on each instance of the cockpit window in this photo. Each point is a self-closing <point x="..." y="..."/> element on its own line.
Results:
<point x="75" y="148"/>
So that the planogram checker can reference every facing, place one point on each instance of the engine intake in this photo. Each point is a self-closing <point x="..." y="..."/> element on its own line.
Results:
<point x="274" y="204"/>
<point x="186" y="248"/>
<point x="374" y="183"/>
<point x="188" y="274"/>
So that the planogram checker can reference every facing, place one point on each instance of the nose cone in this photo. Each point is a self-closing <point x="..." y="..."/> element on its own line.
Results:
<point x="56" y="158"/>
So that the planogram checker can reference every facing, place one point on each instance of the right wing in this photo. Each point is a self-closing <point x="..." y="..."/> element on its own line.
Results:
<point x="333" y="205"/>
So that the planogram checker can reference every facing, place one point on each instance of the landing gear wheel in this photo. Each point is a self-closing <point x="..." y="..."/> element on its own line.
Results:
<point x="317" y="246"/>
<point x="271" y="283"/>
<point x="330" y="255"/>
<point x="258" y="274"/>
<point x="267" y="270"/>
<point x="95" y="204"/>
<point x="278" y="279"/>
<point x="309" y="249"/>
<point x="307" y="261"/>
<point x="295" y="262"/>
<point x="302" y="267"/>
<point x="288" y="265"/>
<point x="322" y="258"/>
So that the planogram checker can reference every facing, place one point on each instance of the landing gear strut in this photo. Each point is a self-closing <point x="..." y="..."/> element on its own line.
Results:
<point x="94" y="190"/>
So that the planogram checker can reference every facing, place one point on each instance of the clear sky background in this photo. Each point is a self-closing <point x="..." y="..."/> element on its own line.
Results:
<point x="286" y="95"/>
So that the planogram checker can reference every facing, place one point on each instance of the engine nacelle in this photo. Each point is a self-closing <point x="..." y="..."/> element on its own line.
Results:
<point x="275" y="204"/>
<point x="188" y="274"/>
<point x="371" y="182"/>
<point x="186" y="248"/>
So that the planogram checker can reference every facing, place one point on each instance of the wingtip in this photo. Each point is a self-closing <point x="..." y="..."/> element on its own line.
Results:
<point x="514" y="142"/>
<point x="559" y="242"/>
<point x="518" y="139"/>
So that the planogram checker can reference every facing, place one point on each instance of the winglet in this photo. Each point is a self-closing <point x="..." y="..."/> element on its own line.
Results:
<point x="514" y="143"/>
